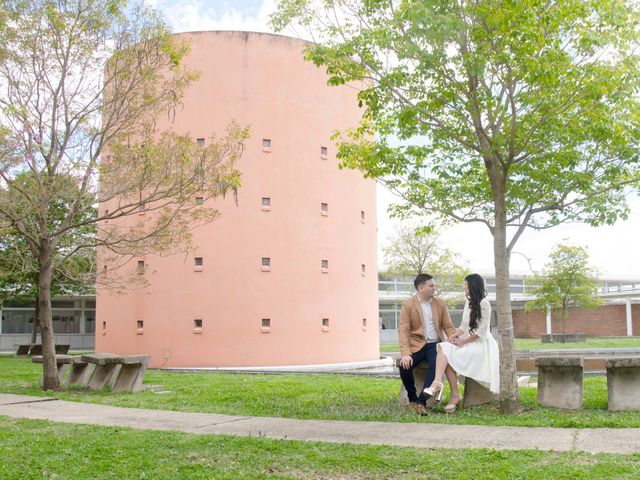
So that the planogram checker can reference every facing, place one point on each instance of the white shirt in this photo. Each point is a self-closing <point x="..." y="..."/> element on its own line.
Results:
<point x="430" y="332"/>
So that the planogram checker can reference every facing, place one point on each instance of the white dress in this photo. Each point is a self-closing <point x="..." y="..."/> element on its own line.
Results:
<point x="478" y="359"/>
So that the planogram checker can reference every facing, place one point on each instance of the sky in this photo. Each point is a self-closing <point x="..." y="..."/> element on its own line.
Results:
<point x="613" y="250"/>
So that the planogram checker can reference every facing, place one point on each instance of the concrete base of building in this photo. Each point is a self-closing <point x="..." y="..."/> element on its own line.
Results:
<point x="383" y="363"/>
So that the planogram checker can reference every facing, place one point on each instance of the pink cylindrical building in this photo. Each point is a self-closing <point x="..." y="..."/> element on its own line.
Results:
<point x="288" y="275"/>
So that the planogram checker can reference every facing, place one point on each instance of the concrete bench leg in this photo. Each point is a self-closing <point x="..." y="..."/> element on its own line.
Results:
<point x="101" y="376"/>
<point x="419" y="374"/>
<point x="623" y="383"/>
<point x="79" y="375"/>
<point x="62" y="370"/>
<point x="477" y="394"/>
<point x="130" y="378"/>
<point x="560" y="381"/>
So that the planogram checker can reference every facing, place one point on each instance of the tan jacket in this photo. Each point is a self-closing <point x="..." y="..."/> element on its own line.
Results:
<point x="411" y="328"/>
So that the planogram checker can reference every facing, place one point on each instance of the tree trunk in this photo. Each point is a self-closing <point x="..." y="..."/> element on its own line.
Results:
<point x="36" y="322"/>
<point x="50" y="369"/>
<point x="509" y="400"/>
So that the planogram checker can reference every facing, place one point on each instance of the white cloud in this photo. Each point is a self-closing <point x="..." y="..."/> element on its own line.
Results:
<point x="189" y="16"/>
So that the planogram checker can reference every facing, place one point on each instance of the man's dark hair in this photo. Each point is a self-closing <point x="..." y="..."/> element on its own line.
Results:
<point x="421" y="278"/>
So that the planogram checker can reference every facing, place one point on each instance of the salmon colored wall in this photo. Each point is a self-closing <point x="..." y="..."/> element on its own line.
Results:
<point x="261" y="80"/>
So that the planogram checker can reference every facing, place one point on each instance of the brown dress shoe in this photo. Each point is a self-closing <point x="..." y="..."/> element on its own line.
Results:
<point x="419" y="408"/>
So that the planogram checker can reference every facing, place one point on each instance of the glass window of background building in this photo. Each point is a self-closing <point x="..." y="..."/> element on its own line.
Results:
<point x="68" y="316"/>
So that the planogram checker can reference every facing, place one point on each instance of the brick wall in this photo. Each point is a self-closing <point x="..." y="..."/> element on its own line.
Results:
<point x="605" y="321"/>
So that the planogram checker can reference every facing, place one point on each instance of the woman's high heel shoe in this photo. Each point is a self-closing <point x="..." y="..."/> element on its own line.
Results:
<point x="453" y="404"/>
<point x="435" y="388"/>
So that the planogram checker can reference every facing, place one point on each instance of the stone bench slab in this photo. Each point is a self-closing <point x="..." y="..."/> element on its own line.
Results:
<point x="60" y="359"/>
<point x="112" y="359"/>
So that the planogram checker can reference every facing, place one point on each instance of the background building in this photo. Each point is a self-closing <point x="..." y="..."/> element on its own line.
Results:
<point x="288" y="276"/>
<point x="74" y="321"/>
<point x="619" y="316"/>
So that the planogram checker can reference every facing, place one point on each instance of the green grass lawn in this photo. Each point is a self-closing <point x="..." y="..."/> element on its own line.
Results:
<point x="44" y="450"/>
<point x="536" y="344"/>
<point x="332" y="397"/>
<point x="598" y="342"/>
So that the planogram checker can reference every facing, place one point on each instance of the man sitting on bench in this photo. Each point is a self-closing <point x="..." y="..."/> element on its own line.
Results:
<point x="424" y="321"/>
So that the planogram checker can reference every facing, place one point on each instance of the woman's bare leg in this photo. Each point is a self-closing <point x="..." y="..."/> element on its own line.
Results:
<point x="452" y="378"/>
<point x="441" y="365"/>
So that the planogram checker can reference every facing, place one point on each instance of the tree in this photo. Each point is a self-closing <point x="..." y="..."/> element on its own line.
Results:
<point x="83" y="84"/>
<point x="414" y="249"/>
<point x="567" y="280"/>
<point x="512" y="114"/>
<point x="19" y="270"/>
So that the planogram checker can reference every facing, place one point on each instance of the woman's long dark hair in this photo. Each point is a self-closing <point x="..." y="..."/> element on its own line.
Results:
<point x="475" y="285"/>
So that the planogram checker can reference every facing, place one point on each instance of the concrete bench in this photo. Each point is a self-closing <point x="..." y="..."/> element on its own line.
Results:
<point x="123" y="373"/>
<point x="477" y="394"/>
<point x="560" y="381"/>
<point x="623" y="383"/>
<point x="23" y="350"/>
<point x="419" y="374"/>
<point x="62" y="349"/>
<point x="78" y="370"/>
<point x="36" y="349"/>
<point x="474" y="393"/>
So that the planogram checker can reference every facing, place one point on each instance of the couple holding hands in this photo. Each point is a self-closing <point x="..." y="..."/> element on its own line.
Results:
<point x="427" y="333"/>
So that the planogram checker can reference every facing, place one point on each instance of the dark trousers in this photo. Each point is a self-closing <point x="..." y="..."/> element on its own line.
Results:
<point x="428" y="353"/>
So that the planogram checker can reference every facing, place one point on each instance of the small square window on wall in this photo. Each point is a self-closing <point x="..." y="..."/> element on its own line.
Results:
<point x="139" y="327"/>
<point x="266" y="203"/>
<point x="362" y="216"/>
<point x="325" y="324"/>
<point x="364" y="324"/>
<point x="140" y="267"/>
<point x="266" y="325"/>
<point x="266" y="144"/>
<point x="199" y="200"/>
<point x="197" y="325"/>
<point x="104" y="328"/>
<point x="324" y="209"/>
<point x="266" y="264"/>
<point x="324" y="266"/>
<point x="198" y="263"/>
<point x="141" y="208"/>
<point x="363" y="269"/>
<point x="200" y="142"/>
<point x="323" y="152"/>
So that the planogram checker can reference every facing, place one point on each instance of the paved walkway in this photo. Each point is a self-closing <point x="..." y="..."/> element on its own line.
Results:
<point x="421" y="435"/>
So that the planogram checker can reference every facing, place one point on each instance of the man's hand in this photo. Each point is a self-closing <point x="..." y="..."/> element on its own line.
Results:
<point x="406" y="361"/>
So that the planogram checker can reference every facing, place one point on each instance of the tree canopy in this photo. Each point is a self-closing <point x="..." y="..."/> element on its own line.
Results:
<point x="567" y="280"/>
<point x="83" y="84"/>
<point x="513" y="114"/>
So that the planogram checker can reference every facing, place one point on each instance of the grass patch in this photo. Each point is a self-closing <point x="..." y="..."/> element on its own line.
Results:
<point x="598" y="342"/>
<point x="330" y="397"/>
<point x="389" y="347"/>
<point x="536" y="344"/>
<point x="43" y="450"/>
